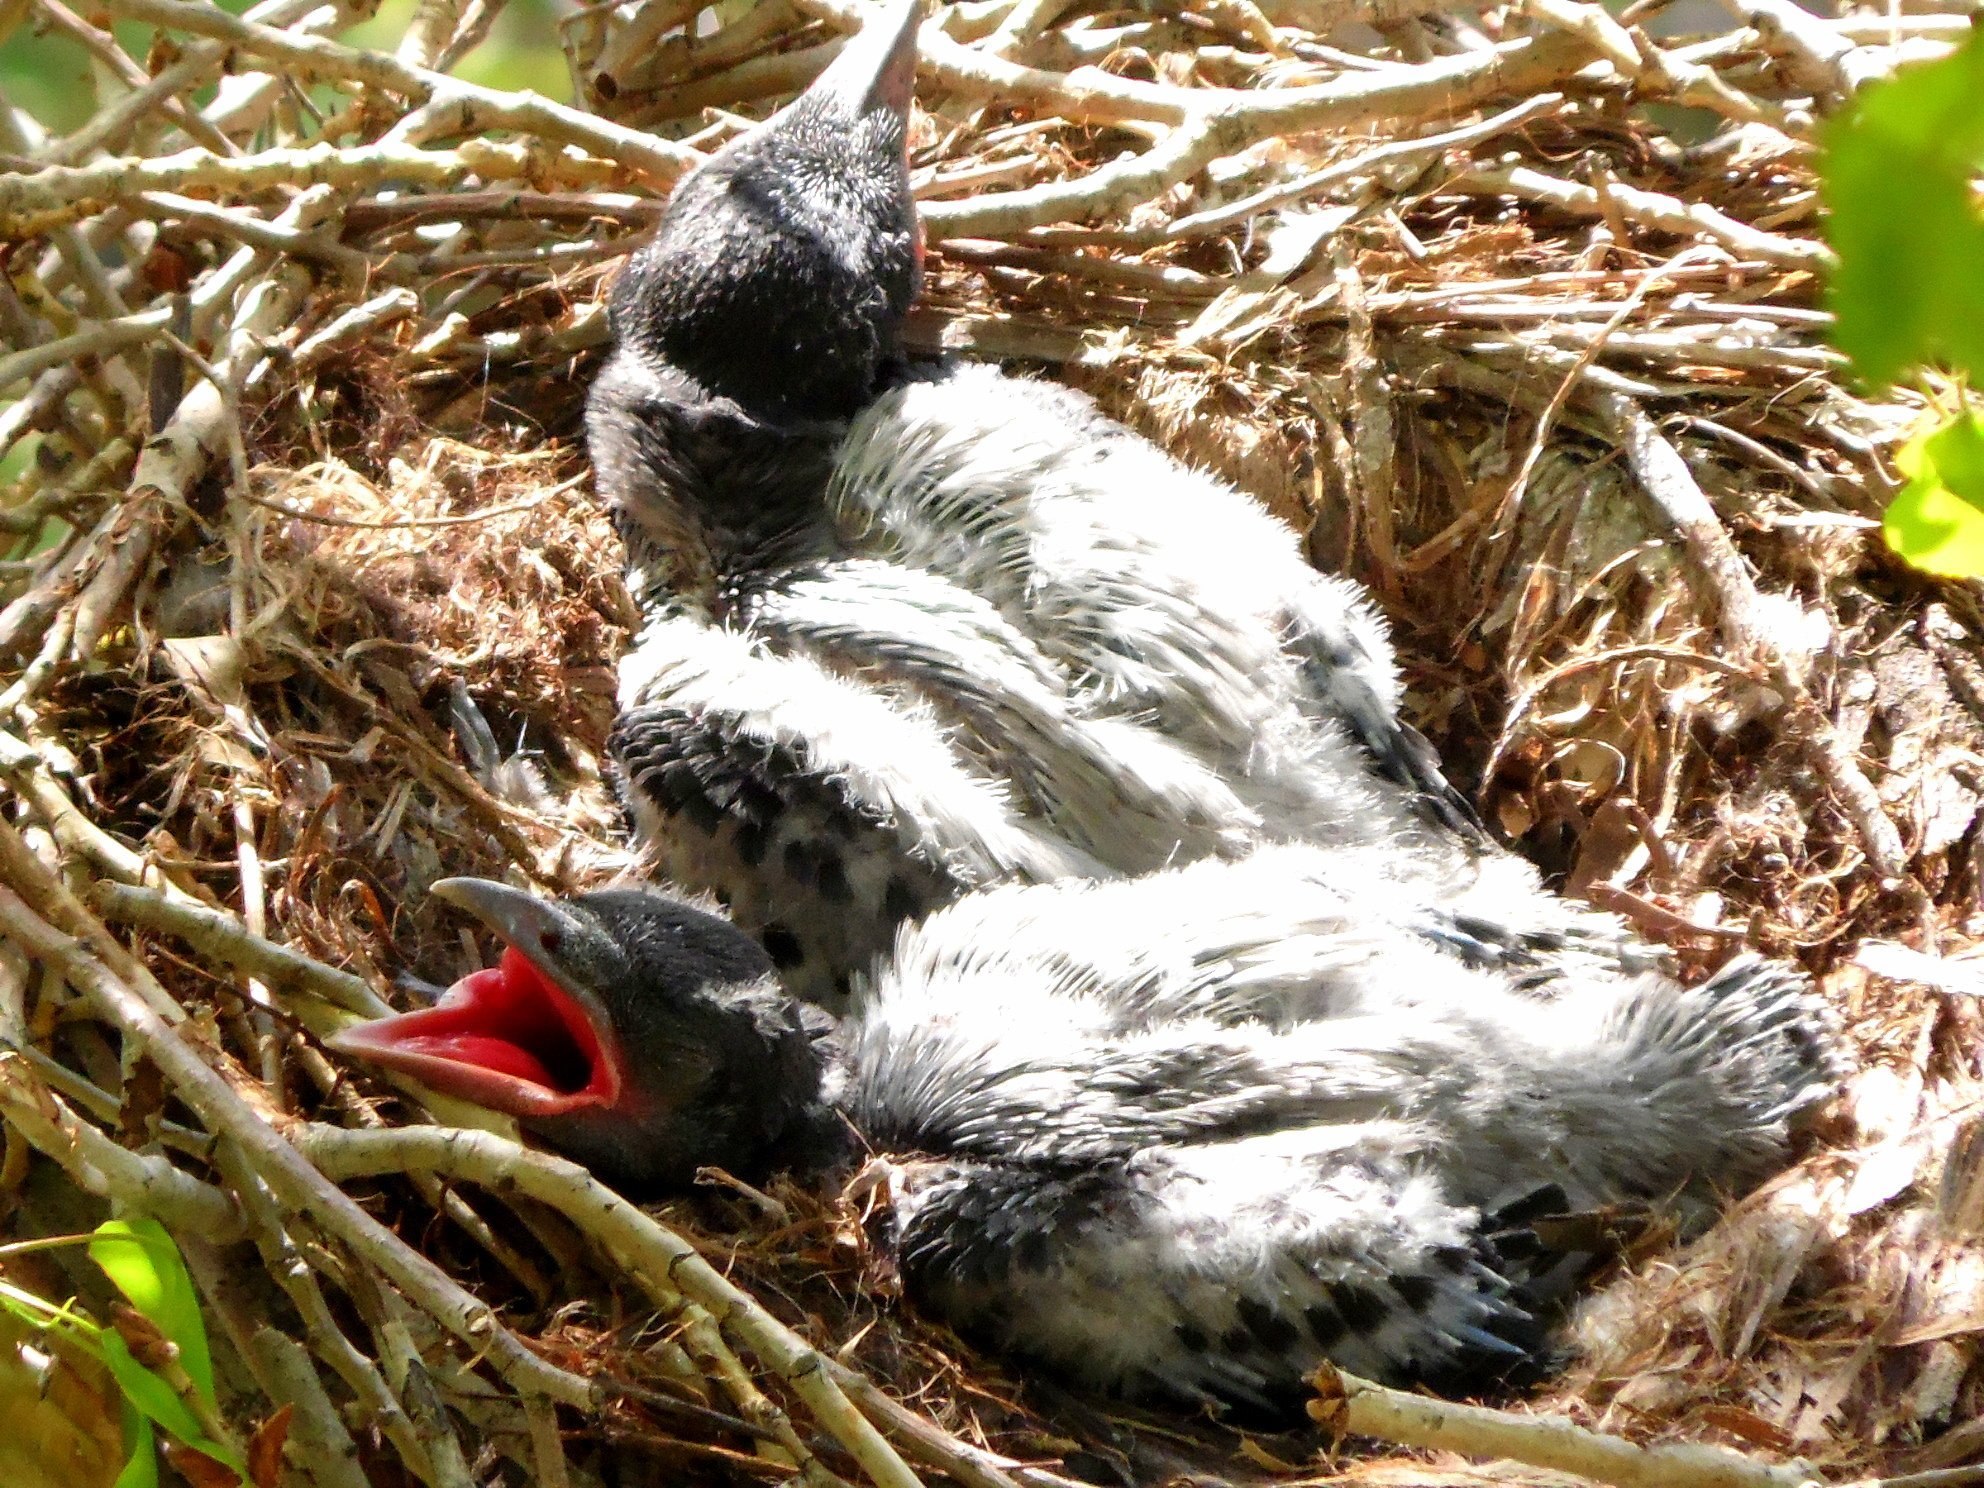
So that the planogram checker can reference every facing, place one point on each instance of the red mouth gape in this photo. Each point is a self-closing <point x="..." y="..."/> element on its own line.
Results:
<point x="509" y="1037"/>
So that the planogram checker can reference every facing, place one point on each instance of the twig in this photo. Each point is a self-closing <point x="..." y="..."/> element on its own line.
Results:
<point x="665" y="1264"/>
<point x="1213" y="122"/>
<point x="179" y="453"/>
<point x="1815" y="52"/>
<point x="33" y="202"/>
<point x="1365" y="163"/>
<point x="293" y="1180"/>
<point x="283" y="1369"/>
<point x="101" y="45"/>
<point x="1672" y="488"/>
<point x="141" y="1183"/>
<point x="216" y="933"/>
<point x="1546" y="421"/>
<point x="1348" y="1406"/>
<point x="456" y="107"/>
<point x="286" y="1264"/>
<point x="1649" y="209"/>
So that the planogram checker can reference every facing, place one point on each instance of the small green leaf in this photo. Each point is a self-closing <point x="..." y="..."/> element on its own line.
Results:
<point x="140" y="1258"/>
<point x="157" y="1401"/>
<point x="1899" y="169"/>
<point x="141" y="1467"/>
<point x="152" y="1396"/>
<point x="1937" y="522"/>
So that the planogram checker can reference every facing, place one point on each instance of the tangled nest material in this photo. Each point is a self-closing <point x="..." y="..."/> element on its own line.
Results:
<point x="1512" y="313"/>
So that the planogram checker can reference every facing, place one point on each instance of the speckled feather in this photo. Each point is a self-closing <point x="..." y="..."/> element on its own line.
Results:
<point x="1184" y="1135"/>
<point x="1248" y="1124"/>
<point x="1086" y="648"/>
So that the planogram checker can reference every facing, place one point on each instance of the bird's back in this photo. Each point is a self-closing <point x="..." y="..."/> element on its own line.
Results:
<point x="1189" y="1134"/>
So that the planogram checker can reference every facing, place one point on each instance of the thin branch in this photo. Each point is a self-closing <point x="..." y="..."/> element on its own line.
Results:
<point x="33" y="202"/>
<point x="1348" y="1406"/>
<point x="1216" y="122"/>
<point x="455" y="106"/>
<point x="670" y="1269"/>
<point x="1664" y="475"/>
<point x="293" y="1180"/>
<point x="136" y="1181"/>
<point x="1649" y="209"/>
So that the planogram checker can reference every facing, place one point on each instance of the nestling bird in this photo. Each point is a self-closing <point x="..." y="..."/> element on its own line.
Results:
<point x="918" y="628"/>
<point x="1179" y="1137"/>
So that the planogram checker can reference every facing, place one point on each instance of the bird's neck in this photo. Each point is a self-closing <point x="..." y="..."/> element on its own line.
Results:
<point x="708" y="496"/>
<point x="820" y="1143"/>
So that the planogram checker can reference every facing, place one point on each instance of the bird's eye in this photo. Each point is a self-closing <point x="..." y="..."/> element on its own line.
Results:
<point x="551" y="940"/>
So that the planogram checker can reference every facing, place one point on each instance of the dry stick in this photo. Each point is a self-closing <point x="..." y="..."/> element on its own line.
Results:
<point x="641" y="36"/>
<point x="666" y="1265"/>
<point x="174" y="458"/>
<point x="1546" y="422"/>
<point x="1368" y="162"/>
<point x="456" y="106"/>
<point x="284" y="1262"/>
<point x="1525" y="701"/>
<point x="1636" y="57"/>
<point x="282" y="1368"/>
<point x="1349" y="1406"/>
<point x="754" y="77"/>
<point x="214" y="290"/>
<point x="244" y="227"/>
<point x="216" y="933"/>
<point x="1664" y="475"/>
<point x="33" y="202"/>
<point x="427" y="32"/>
<point x="1648" y="209"/>
<point x="1218" y="122"/>
<point x="410" y="1377"/>
<point x="547" y="1447"/>
<point x="764" y="25"/>
<point x="93" y="477"/>
<point x="1090" y="95"/>
<point x="50" y="897"/>
<point x="1324" y="16"/>
<point x="101" y="45"/>
<point x="133" y="1181"/>
<point x="294" y="1182"/>
<point x="1815" y="53"/>
<point x="975" y="1467"/>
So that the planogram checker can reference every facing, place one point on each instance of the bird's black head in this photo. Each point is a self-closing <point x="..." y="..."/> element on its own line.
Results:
<point x="633" y="1033"/>
<point x="784" y="266"/>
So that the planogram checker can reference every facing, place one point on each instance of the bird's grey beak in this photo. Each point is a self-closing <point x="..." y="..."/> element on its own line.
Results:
<point x="877" y="67"/>
<point x="535" y="926"/>
<point x="523" y="1036"/>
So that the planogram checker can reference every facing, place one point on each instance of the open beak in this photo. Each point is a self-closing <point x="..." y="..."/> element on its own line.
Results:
<point x="521" y="1037"/>
<point x="876" y="69"/>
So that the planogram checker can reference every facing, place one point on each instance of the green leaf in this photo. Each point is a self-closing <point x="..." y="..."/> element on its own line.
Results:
<point x="157" y="1401"/>
<point x="140" y="1258"/>
<point x="152" y="1396"/>
<point x="1937" y="522"/>
<point x="141" y="1467"/>
<point x="1899" y="169"/>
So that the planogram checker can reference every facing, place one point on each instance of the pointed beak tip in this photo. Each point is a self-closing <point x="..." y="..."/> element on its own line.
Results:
<point x="877" y="67"/>
<point x="360" y="1039"/>
<point x="460" y="891"/>
<point x="514" y="915"/>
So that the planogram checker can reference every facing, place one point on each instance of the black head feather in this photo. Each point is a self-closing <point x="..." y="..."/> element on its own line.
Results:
<point x="634" y="1033"/>
<point x="783" y="268"/>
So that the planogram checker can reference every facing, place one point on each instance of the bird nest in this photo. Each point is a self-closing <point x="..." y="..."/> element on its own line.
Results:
<point x="1511" y="313"/>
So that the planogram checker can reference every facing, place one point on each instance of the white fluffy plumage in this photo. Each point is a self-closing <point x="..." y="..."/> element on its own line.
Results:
<point x="1187" y="1136"/>
<point x="1039" y="648"/>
